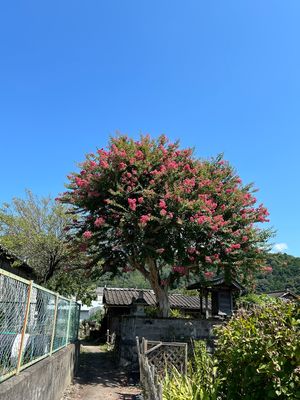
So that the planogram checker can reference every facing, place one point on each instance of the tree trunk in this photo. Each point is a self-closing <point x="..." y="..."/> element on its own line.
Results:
<point x="161" y="292"/>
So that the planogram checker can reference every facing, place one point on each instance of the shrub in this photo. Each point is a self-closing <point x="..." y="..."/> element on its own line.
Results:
<point x="201" y="381"/>
<point x="258" y="353"/>
<point x="252" y="298"/>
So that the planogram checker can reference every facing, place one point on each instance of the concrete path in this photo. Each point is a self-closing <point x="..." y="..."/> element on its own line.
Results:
<point x="99" y="379"/>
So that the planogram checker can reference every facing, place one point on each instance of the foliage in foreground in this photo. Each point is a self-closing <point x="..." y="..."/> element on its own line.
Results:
<point x="258" y="353"/>
<point x="201" y="381"/>
<point x="257" y="357"/>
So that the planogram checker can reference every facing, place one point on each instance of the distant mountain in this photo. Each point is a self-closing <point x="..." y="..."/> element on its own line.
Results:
<point x="285" y="274"/>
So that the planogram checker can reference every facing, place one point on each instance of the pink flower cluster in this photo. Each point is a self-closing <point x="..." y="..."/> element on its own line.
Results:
<point x="87" y="234"/>
<point x="180" y="270"/>
<point x="132" y="204"/>
<point x="145" y="219"/>
<point x="232" y="247"/>
<point x="209" y="274"/>
<point x="267" y="269"/>
<point x="99" y="222"/>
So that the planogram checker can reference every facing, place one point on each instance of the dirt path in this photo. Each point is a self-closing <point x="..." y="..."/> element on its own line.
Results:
<point x="99" y="379"/>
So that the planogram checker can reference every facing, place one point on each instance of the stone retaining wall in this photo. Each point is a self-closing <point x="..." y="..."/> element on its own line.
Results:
<point x="45" y="380"/>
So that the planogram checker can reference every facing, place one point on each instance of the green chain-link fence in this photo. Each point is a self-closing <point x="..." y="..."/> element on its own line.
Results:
<point x="34" y="323"/>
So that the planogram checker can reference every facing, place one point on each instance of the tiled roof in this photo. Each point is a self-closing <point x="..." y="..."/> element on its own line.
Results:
<point x="215" y="282"/>
<point x="123" y="297"/>
<point x="282" y="294"/>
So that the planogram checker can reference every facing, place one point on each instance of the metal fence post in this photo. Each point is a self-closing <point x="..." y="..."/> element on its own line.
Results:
<point x="54" y="324"/>
<point x="78" y="320"/>
<point x="68" y="326"/>
<point x="24" y="328"/>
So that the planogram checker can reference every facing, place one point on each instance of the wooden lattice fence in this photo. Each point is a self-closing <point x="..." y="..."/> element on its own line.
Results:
<point x="155" y="358"/>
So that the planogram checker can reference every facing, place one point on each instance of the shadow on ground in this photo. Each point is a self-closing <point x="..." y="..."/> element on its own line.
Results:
<point x="97" y="367"/>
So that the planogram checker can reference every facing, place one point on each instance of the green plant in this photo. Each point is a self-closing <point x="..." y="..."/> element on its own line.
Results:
<point x="201" y="381"/>
<point x="175" y="313"/>
<point x="252" y="299"/>
<point x="258" y="353"/>
<point x="151" y="312"/>
<point x="97" y="316"/>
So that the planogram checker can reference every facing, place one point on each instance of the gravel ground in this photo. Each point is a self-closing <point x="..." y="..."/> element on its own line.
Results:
<point x="99" y="379"/>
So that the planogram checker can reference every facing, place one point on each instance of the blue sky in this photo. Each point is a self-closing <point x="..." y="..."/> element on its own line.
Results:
<point x="222" y="76"/>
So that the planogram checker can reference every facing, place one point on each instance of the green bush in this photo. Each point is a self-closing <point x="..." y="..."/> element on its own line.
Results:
<point x="201" y="381"/>
<point x="258" y="353"/>
<point x="259" y="299"/>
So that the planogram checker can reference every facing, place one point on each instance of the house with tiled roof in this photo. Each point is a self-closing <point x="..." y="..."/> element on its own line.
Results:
<point x="286" y="295"/>
<point x="124" y="301"/>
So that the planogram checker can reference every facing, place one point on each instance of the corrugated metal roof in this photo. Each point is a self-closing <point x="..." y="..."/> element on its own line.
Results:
<point x="123" y="297"/>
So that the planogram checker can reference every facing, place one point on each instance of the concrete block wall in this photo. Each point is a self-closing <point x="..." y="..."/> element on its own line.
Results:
<point x="164" y="329"/>
<point x="45" y="380"/>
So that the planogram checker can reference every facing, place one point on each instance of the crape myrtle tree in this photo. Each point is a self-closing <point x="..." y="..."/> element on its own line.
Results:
<point x="150" y="206"/>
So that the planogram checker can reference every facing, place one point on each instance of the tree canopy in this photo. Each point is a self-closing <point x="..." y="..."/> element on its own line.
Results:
<point x="150" y="206"/>
<point x="34" y="228"/>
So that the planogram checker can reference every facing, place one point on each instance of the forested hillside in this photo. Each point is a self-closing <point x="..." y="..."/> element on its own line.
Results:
<point x="285" y="274"/>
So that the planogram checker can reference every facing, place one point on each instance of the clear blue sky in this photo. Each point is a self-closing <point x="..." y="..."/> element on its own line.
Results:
<point x="223" y="76"/>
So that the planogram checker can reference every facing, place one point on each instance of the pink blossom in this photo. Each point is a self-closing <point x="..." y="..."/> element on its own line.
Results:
<point x="152" y="182"/>
<point x="170" y="215"/>
<point x="87" y="234"/>
<point x="208" y="274"/>
<point x="139" y="155"/>
<point x="122" y="165"/>
<point x="163" y="212"/>
<point x="99" y="222"/>
<point x="180" y="270"/>
<point x="140" y="200"/>
<point x="104" y="164"/>
<point x="132" y="204"/>
<point x="245" y="238"/>
<point x="81" y="182"/>
<point x="144" y="219"/>
<point x="267" y="269"/>
<point x="162" y="204"/>
<point x="191" y="250"/>
<point x="172" y="165"/>
<point x="202" y="219"/>
<point x="208" y="259"/>
<point x="189" y="182"/>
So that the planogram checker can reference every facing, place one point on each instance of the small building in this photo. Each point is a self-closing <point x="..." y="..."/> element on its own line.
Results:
<point x="128" y="301"/>
<point x="15" y="265"/>
<point x="216" y="296"/>
<point x="88" y="311"/>
<point x="285" y="295"/>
